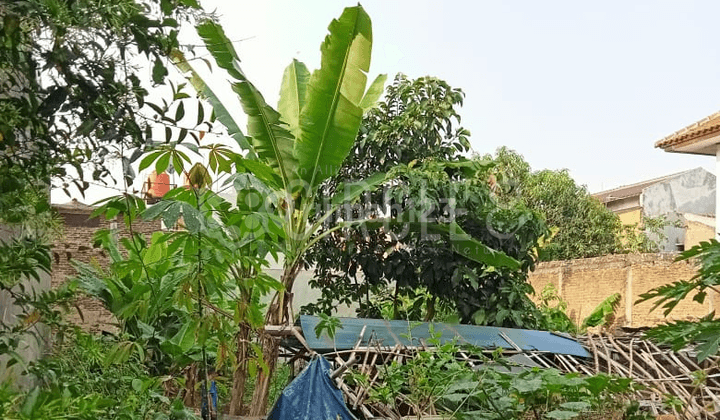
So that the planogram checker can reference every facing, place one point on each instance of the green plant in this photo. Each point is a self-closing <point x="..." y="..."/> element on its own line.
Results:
<point x="291" y="152"/>
<point x="553" y="310"/>
<point x="434" y="381"/>
<point x="73" y="382"/>
<point x="398" y="272"/>
<point x="646" y="236"/>
<point x="585" y="227"/>
<point x="604" y="312"/>
<point x="704" y="333"/>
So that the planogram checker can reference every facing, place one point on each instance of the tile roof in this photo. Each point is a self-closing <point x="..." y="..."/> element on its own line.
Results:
<point x="631" y="190"/>
<point x="74" y="205"/>
<point x="707" y="125"/>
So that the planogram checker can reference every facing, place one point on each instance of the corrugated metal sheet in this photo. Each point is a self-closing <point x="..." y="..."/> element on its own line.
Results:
<point x="390" y="333"/>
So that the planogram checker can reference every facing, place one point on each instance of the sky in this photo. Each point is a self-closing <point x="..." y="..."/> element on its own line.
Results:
<point x="584" y="86"/>
<point x="577" y="85"/>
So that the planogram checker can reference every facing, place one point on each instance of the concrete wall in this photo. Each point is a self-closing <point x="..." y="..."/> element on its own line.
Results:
<point x="630" y="217"/>
<point x="584" y="283"/>
<point x="698" y="229"/>
<point x="302" y="292"/>
<point x="34" y="344"/>
<point x="690" y="192"/>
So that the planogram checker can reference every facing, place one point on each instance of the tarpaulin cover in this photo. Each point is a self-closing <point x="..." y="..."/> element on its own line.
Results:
<point x="390" y="333"/>
<point x="311" y="395"/>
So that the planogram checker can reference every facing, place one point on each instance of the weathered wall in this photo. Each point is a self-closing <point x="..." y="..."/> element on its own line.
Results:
<point x="630" y="217"/>
<point x="584" y="283"/>
<point x="690" y="192"/>
<point x="698" y="229"/>
<point x="77" y="244"/>
<point x="33" y="344"/>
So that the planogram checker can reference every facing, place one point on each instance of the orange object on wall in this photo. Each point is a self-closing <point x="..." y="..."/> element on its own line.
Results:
<point x="159" y="186"/>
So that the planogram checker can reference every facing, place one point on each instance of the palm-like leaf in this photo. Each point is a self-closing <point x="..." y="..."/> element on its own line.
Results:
<point x="292" y="95"/>
<point x="221" y="112"/>
<point x="272" y="142"/>
<point x="331" y="117"/>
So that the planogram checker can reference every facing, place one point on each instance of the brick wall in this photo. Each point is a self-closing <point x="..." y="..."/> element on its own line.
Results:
<point x="76" y="243"/>
<point x="584" y="283"/>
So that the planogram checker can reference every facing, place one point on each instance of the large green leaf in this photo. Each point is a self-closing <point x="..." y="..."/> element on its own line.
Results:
<point x="292" y="95"/>
<point x="272" y="142"/>
<point x="221" y="112"/>
<point x="331" y="117"/>
<point x="374" y="92"/>
<point x="460" y="241"/>
<point x="350" y="191"/>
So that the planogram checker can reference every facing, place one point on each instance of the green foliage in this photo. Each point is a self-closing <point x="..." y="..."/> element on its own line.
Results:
<point x="646" y="236"/>
<point x="68" y="93"/>
<point x="447" y="228"/>
<point x="435" y="381"/>
<point x="74" y="383"/>
<point x="585" y="227"/>
<point x="705" y="333"/>
<point x="707" y="254"/>
<point x="553" y="310"/>
<point x="602" y="313"/>
<point x="327" y="324"/>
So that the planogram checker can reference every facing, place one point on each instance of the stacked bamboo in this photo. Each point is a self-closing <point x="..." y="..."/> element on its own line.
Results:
<point x="663" y="373"/>
<point x="660" y="370"/>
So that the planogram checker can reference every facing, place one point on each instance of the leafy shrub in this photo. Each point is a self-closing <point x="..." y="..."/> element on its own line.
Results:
<point x="75" y="383"/>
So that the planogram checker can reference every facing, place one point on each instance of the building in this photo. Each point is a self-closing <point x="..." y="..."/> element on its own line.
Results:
<point x="77" y="244"/>
<point x="687" y="198"/>
<point x="699" y="138"/>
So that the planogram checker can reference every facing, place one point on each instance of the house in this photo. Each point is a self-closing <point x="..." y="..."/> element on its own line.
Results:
<point x="699" y="138"/>
<point x="687" y="198"/>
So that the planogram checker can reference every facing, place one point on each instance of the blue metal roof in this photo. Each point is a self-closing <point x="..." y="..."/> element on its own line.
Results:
<point x="391" y="333"/>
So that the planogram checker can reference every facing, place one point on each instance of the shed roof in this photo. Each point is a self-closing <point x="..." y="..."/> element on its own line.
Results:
<point x="391" y="333"/>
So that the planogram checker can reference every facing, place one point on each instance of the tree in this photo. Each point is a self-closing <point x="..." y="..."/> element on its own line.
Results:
<point x="293" y="151"/>
<point x="68" y="96"/>
<point x="69" y="93"/>
<point x="301" y="147"/>
<point x="582" y="226"/>
<point x="416" y="127"/>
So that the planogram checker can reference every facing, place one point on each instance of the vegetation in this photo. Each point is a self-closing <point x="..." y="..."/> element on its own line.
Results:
<point x="704" y="333"/>
<point x="433" y="381"/>
<point x="583" y="227"/>
<point x="189" y="301"/>
<point x="414" y="132"/>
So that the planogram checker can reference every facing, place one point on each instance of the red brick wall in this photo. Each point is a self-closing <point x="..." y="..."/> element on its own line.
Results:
<point x="584" y="283"/>
<point x="76" y="243"/>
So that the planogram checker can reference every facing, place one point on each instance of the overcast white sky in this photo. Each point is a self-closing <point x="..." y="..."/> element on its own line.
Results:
<point x="587" y="86"/>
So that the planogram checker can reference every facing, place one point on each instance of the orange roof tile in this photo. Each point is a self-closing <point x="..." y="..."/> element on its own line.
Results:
<point x="708" y="125"/>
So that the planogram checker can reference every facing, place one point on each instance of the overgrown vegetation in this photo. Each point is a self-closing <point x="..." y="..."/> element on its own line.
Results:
<point x="414" y="131"/>
<point x="435" y="382"/>
<point x="189" y="301"/>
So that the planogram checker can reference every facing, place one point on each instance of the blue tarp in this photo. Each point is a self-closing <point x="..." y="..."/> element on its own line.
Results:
<point x="311" y="395"/>
<point x="390" y="333"/>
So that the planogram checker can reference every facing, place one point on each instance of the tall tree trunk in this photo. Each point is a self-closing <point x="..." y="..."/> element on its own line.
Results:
<point x="270" y="349"/>
<point x="278" y="314"/>
<point x="241" y="371"/>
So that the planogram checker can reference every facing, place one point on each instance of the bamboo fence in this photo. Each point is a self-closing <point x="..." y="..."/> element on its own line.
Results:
<point x="661" y="372"/>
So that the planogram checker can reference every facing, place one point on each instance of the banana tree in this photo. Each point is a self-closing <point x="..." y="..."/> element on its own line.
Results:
<point x="294" y="149"/>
